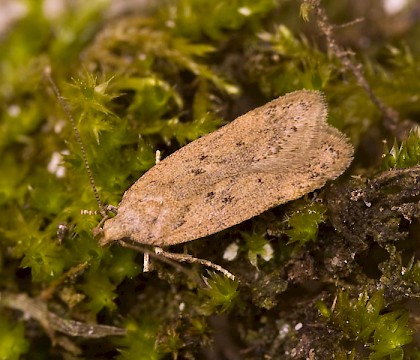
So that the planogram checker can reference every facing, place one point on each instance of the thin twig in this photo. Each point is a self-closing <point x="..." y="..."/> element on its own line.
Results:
<point x="391" y="117"/>
<point x="72" y="272"/>
<point x="51" y="322"/>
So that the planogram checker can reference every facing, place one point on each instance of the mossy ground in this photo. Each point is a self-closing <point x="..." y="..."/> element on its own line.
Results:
<point x="332" y="275"/>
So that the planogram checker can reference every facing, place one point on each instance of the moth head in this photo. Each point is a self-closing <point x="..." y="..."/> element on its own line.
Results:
<point x="142" y="223"/>
<point x="99" y="235"/>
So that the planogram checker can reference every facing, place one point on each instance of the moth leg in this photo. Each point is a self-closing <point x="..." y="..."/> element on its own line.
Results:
<point x="191" y="259"/>
<point x="164" y="259"/>
<point x="157" y="157"/>
<point x="147" y="265"/>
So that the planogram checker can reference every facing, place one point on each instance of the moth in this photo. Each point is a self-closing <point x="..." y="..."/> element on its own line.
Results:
<point x="271" y="155"/>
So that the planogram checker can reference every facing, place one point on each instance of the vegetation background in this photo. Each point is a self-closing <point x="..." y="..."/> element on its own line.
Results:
<point x="332" y="275"/>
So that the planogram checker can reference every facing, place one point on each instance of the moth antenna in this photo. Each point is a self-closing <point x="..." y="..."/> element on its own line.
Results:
<point x="64" y="106"/>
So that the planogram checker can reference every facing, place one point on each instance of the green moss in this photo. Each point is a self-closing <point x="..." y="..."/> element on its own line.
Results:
<point x="140" y="342"/>
<point x="364" y="320"/>
<point x="412" y="274"/>
<point x="404" y="156"/>
<point x="184" y="17"/>
<point x="294" y="58"/>
<point x="13" y="344"/>
<point x="156" y="82"/>
<point x="258" y="247"/>
<point x="303" y="222"/>
<point x="219" y="295"/>
<point x="100" y="291"/>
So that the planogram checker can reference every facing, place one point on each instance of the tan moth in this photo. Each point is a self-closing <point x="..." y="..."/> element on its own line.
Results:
<point x="269" y="156"/>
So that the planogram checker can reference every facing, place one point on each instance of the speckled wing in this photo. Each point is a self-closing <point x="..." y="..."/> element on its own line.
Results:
<point x="269" y="156"/>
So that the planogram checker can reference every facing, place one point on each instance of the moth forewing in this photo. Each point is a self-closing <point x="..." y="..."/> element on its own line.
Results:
<point x="267" y="157"/>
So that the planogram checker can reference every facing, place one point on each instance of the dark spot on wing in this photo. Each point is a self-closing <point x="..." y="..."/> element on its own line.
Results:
<point x="227" y="199"/>
<point x="210" y="195"/>
<point x="197" y="171"/>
